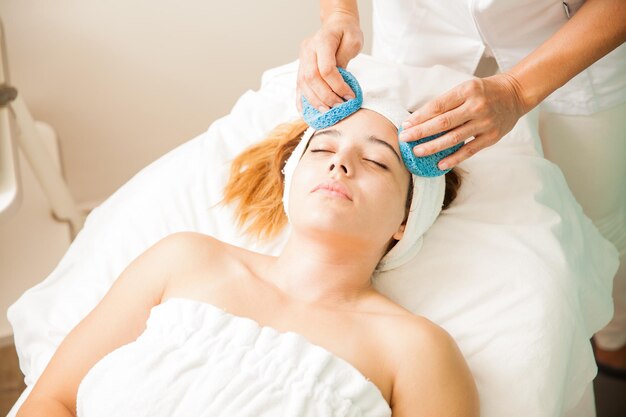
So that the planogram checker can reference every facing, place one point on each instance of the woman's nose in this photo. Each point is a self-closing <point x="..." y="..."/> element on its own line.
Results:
<point x="336" y="164"/>
<point x="341" y="167"/>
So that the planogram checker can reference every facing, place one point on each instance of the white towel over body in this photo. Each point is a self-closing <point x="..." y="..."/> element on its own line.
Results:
<point x="195" y="359"/>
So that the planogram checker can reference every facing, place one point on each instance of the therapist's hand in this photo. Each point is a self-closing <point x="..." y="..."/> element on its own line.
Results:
<point x="483" y="108"/>
<point x="338" y="41"/>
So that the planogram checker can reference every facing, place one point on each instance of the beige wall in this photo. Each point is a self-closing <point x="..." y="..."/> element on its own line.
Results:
<point x="124" y="81"/>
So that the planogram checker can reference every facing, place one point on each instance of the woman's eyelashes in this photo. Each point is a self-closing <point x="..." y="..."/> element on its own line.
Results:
<point x="383" y="166"/>
<point x="373" y="161"/>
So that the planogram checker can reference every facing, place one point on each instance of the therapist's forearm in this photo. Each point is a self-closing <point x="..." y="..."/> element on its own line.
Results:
<point x="595" y="30"/>
<point x="330" y="7"/>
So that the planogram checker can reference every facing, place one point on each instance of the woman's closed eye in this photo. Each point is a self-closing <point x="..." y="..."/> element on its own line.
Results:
<point x="380" y="164"/>
<point x="370" y="160"/>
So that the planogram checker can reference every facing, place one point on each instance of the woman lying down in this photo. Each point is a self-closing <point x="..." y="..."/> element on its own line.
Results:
<point x="196" y="327"/>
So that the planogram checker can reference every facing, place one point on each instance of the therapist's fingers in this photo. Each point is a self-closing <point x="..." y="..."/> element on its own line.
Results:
<point x="483" y="108"/>
<point x="311" y="96"/>
<point x="318" y="92"/>
<point x="310" y="80"/>
<point x="466" y="151"/>
<point x="327" y="67"/>
<point x="438" y="106"/>
<point x="308" y="61"/>
<point x="338" y="41"/>
<point x="448" y="140"/>
<point x="443" y="122"/>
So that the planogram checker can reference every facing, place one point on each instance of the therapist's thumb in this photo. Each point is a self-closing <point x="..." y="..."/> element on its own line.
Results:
<point x="350" y="46"/>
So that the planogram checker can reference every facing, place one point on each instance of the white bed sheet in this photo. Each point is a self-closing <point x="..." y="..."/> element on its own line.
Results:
<point x="513" y="269"/>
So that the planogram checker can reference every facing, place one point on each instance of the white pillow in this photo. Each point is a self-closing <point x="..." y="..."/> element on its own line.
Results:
<point x="513" y="269"/>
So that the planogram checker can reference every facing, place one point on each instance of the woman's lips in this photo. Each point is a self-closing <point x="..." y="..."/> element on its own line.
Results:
<point x="334" y="188"/>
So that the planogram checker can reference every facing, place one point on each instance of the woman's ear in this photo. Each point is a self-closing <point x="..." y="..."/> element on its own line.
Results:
<point x="398" y="235"/>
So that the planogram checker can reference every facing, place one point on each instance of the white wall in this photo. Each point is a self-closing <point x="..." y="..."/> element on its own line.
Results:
<point x="124" y="81"/>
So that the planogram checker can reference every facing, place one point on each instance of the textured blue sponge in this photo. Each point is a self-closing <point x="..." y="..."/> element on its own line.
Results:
<point x="318" y="120"/>
<point x="424" y="166"/>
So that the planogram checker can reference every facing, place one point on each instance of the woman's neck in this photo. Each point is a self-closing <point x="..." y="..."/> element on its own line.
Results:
<point x="317" y="273"/>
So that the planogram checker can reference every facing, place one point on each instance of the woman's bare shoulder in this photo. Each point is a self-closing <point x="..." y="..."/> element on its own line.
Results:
<point x="190" y="249"/>
<point x="430" y="370"/>
<point x="188" y="240"/>
<point x="399" y="320"/>
<point x="407" y="332"/>
<point x="197" y="259"/>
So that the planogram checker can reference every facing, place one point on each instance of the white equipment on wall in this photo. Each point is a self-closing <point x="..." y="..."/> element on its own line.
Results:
<point x="17" y="128"/>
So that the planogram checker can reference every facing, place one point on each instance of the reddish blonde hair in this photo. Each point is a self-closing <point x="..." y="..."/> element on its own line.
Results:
<point x="256" y="182"/>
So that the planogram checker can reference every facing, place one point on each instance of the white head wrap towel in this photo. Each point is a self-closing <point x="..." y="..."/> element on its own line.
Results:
<point x="428" y="192"/>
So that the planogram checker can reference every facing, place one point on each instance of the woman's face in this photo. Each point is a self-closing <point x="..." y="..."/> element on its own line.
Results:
<point x="351" y="181"/>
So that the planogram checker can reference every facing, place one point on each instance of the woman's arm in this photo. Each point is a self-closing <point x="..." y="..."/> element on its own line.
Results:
<point x="432" y="377"/>
<point x="118" y="319"/>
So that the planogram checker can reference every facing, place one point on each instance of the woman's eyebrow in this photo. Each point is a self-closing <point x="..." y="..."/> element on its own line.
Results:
<point x="371" y="138"/>
<point x="382" y="142"/>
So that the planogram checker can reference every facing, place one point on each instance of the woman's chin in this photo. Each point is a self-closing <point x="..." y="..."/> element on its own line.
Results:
<point x="328" y="224"/>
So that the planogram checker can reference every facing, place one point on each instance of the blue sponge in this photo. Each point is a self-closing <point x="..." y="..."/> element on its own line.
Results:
<point x="318" y="120"/>
<point x="425" y="166"/>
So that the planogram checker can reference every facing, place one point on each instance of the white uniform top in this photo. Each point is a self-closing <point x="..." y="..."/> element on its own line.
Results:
<point x="457" y="33"/>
